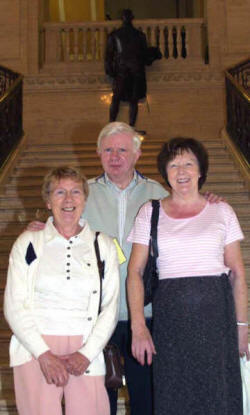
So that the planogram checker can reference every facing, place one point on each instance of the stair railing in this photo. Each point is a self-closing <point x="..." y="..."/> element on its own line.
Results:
<point x="238" y="107"/>
<point x="11" y="124"/>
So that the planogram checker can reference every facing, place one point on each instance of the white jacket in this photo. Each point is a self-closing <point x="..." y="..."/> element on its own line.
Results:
<point x="19" y="299"/>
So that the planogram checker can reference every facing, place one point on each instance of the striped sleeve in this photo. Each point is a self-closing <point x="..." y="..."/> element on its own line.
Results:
<point x="140" y="233"/>
<point x="233" y="229"/>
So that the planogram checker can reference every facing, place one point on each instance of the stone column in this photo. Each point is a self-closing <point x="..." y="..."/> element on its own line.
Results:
<point x="215" y="13"/>
<point x="35" y="10"/>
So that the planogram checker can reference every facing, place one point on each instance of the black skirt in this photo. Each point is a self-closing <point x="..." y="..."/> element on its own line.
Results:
<point x="196" y="368"/>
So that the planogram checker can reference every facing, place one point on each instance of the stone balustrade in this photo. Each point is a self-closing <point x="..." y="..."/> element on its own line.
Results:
<point x="178" y="40"/>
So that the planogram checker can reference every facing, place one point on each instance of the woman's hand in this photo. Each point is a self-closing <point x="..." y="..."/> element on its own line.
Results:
<point x="142" y="344"/>
<point x="243" y="341"/>
<point x="76" y="363"/>
<point x="53" y="369"/>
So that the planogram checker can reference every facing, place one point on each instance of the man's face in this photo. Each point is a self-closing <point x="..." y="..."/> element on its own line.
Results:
<point x="118" y="157"/>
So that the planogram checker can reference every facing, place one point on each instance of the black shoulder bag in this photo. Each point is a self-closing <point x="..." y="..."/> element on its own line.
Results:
<point x="150" y="275"/>
<point x="112" y="357"/>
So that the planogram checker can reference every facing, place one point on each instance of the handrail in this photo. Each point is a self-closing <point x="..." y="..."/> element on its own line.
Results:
<point x="11" y="125"/>
<point x="238" y="108"/>
<point x="8" y="76"/>
<point x="238" y="86"/>
<point x="17" y="81"/>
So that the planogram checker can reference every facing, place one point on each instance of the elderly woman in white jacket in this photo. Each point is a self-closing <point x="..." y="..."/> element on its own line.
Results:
<point x="52" y="300"/>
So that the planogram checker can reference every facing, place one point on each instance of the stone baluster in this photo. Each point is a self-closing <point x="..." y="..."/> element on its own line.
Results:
<point x="84" y="43"/>
<point x="144" y="30"/>
<point x="102" y="42"/>
<point x="52" y="42"/>
<point x="75" y="43"/>
<point x="66" y="44"/>
<point x="194" y="41"/>
<point x="92" y="44"/>
<point x="185" y="41"/>
<point x="178" y="41"/>
<point x="154" y="35"/>
<point x="162" y="39"/>
<point x="170" y="41"/>
<point x="98" y="44"/>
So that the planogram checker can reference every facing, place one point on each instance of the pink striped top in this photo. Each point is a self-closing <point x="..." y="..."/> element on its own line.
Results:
<point x="192" y="246"/>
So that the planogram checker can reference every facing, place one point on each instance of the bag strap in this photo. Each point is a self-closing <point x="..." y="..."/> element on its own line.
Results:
<point x="101" y="267"/>
<point x="154" y="224"/>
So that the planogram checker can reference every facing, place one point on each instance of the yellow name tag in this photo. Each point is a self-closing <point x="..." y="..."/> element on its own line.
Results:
<point x="121" y="256"/>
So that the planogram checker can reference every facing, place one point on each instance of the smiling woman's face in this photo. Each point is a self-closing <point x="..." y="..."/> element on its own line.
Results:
<point x="67" y="202"/>
<point x="183" y="172"/>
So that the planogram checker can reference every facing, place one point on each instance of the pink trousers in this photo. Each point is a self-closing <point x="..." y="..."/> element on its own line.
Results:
<point x="83" y="395"/>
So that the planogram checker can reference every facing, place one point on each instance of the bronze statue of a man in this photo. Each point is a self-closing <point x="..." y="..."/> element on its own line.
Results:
<point x="125" y="60"/>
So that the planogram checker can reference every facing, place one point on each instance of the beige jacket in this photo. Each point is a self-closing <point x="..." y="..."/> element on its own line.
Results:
<point x="27" y="341"/>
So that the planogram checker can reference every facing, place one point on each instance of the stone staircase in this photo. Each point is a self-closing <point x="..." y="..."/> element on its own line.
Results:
<point x="20" y="202"/>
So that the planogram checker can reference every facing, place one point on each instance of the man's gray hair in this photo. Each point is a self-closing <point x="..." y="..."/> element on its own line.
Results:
<point x="117" y="127"/>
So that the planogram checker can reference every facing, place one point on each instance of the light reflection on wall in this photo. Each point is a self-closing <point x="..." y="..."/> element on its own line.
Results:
<point x="106" y="98"/>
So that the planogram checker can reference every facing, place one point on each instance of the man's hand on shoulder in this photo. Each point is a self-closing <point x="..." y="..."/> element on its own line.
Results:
<point x="35" y="226"/>
<point x="212" y="198"/>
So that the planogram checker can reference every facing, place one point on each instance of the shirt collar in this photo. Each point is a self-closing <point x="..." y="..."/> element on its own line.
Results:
<point x="51" y="232"/>
<point x="130" y="185"/>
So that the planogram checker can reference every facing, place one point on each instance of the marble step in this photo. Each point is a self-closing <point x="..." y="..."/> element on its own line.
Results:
<point x="23" y="215"/>
<point x="146" y="143"/>
<point x="7" y="402"/>
<point x="33" y="189"/>
<point x="6" y="377"/>
<point x="11" y="228"/>
<point x="71" y="151"/>
<point x="81" y="160"/>
<point x="6" y="241"/>
<point x="4" y="261"/>
<point x="3" y="326"/>
<point x="27" y="202"/>
<point x="29" y="181"/>
<point x="24" y="190"/>
<point x="35" y="171"/>
<point x="214" y="175"/>
<point x="5" y="335"/>
<point x="90" y="153"/>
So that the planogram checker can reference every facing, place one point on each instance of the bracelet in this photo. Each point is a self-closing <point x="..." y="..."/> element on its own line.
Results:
<point x="241" y="323"/>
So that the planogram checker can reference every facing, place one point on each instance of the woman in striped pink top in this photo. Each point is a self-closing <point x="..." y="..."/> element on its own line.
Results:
<point x="200" y="313"/>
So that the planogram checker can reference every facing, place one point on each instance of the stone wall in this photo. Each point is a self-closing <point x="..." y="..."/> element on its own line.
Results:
<point x="179" y="102"/>
<point x="183" y="99"/>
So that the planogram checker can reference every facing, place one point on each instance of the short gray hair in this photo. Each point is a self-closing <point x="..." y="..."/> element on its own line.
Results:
<point x="63" y="172"/>
<point x="119" y="127"/>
